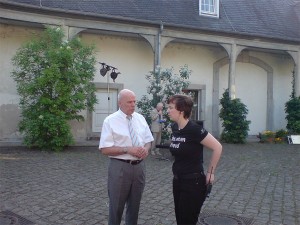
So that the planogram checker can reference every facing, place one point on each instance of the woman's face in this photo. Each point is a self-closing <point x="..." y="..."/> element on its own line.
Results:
<point x="173" y="113"/>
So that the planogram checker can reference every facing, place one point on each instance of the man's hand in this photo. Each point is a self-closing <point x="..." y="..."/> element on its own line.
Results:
<point x="143" y="153"/>
<point x="139" y="152"/>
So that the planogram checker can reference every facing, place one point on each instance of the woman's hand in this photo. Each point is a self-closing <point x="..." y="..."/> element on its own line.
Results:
<point x="210" y="177"/>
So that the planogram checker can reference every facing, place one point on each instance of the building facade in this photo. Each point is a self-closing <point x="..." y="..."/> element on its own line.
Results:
<point x="223" y="48"/>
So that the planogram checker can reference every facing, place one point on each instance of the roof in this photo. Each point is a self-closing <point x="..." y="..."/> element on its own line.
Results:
<point x="275" y="19"/>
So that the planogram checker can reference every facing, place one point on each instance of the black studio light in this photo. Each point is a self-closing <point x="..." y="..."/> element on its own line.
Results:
<point x="105" y="68"/>
<point x="114" y="74"/>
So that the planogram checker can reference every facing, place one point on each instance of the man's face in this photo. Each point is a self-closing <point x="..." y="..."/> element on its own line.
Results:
<point x="159" y="107"/>
<point x="127" y="103"/>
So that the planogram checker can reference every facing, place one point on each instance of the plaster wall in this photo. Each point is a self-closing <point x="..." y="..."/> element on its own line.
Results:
<point x="11" y="38"/>
<point x="283" y="66"/>
<point x="251" y="87"/>
<point x="134" y="58"/>
<point x="200" y="59"/>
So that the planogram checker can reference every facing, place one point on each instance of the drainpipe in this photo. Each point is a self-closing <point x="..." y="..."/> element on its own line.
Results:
<point x="158" y="47"/>
<point x="157" y="56"/>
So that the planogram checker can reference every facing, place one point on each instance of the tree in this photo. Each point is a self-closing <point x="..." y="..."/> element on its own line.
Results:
<point x="54" y="80"/>
<point x="162" y="85"/>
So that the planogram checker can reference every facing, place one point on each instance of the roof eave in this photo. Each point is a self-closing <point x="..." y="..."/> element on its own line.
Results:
<point x="120" y="19"/>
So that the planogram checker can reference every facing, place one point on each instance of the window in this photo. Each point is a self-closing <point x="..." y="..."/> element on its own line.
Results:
<point x="198" y="93"/>
<point x="209" y="8"/>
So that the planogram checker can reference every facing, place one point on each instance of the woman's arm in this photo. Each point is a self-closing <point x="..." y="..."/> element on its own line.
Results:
<point x="212" y="144"/>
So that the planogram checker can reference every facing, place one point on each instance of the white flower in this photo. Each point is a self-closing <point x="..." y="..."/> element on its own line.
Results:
<point x="41" y="117"/>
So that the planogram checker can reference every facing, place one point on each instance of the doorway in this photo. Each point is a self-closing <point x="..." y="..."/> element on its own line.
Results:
<point x="107" y="104"/>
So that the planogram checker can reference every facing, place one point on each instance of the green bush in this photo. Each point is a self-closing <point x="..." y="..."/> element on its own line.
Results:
<point x="54" y="80"/>
<point x="292" y="109"/>
<point x="281" y="133"/>
<point x="234" y="120"/>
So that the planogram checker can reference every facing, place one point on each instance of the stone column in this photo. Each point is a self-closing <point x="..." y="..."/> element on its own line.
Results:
<point x="231" y="77"/>
<point x="233" y="51"/>
<point x="157" y="43"/>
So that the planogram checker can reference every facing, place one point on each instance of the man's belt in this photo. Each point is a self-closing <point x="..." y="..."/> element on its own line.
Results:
<point x="132" y="162"/>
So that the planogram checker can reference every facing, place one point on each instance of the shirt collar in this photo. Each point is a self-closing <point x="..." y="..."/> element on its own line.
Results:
<point x="124" y="115"/>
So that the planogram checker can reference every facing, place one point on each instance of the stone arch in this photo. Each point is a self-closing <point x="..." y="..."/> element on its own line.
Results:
<point x="245" y="58"/>
<point x="157" y="43"/>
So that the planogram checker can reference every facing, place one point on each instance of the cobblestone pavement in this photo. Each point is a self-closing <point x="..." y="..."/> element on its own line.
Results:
<point x="259" y="181"/>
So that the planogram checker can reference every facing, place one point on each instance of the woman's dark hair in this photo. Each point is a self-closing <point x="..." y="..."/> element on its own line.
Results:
<point x="183" y="103"/>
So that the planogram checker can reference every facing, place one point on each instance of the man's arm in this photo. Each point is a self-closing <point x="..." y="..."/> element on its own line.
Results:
<point x="114" y="150"/>
<point x="147" y="146"/>
<point x="154" y="114"/>
<point x="136" y="151"/>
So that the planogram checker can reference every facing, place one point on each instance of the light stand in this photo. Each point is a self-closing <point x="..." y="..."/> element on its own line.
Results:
<point x="103" y="71"/>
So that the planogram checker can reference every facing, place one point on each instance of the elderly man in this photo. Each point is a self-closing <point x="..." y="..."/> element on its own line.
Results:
<point x="156" y="127"/>
<point x="126" y="139"/>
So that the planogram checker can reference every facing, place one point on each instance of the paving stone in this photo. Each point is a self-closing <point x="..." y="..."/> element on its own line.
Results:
<point x="253" y="180"/>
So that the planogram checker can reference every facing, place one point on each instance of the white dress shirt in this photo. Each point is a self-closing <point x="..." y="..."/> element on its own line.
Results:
<point x="115" y="132"/>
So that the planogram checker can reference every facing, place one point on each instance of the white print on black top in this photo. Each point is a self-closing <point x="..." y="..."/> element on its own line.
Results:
<point x="177" y="139"/>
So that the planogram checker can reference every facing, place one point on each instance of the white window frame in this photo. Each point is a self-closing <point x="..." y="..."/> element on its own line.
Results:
<point x="199" y="106"/>
<point x="209" y="8"/>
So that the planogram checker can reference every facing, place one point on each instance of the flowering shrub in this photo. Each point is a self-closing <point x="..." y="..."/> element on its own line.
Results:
<point x="278" y="137"/>
<point x="163" y="84"/>
<point x="279" y="140"/>
<point x="267" y="136"/>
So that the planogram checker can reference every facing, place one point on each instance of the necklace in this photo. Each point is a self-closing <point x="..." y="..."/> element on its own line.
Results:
<point x="184" y="123"/>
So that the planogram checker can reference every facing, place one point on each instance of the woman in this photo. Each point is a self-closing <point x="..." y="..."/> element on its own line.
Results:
<point x="187" y="141"/>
